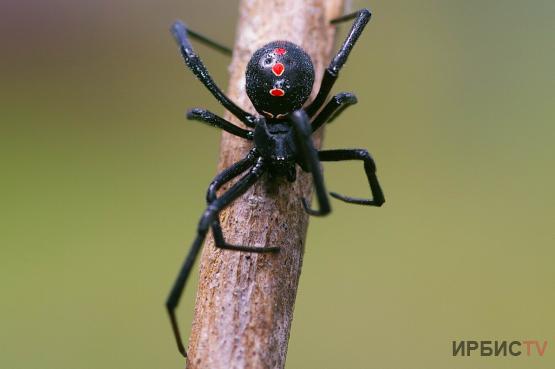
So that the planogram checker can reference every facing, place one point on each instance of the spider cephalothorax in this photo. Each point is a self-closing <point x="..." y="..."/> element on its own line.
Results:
<point x="279" y="79"/>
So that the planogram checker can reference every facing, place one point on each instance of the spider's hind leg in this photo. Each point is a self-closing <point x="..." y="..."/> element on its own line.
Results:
<point x="361" y="18"/>
<point x="350" y="16"/>
<point x="210" y="43"/>
<point x="181" y="35"/>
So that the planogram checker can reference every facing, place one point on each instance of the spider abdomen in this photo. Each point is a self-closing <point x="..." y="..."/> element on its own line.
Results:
<point x="279" y="79"/>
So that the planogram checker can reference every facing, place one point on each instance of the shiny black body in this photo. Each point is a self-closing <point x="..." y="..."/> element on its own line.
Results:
<point x="279" y="80"/>
<point x="277" y="145"/>
<point x="296" y="79"/>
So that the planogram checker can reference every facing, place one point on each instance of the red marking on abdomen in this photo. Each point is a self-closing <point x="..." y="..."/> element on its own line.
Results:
<point x="277" y="92"/>
<point x="280" y="51"/>
<point x="278" y="69"/>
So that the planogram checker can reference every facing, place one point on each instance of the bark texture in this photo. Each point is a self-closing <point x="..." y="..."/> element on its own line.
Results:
<point x="244" y="304"/>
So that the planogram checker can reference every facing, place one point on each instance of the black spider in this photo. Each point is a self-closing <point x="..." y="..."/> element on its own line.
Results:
<point x="279" y="80"/>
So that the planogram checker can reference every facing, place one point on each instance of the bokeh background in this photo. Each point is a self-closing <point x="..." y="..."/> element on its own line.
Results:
<point x="103" y="180"/>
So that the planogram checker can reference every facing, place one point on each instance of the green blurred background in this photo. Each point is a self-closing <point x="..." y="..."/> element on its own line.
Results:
<point x="103" y="180"/>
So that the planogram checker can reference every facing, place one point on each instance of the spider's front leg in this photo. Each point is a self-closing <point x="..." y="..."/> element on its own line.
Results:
<point x="211" y="196"/>
<point x="369" y="167"/>
<point x="179" y="31"/>
<point x="207" y="219"/>
<point x="309" y="159"/>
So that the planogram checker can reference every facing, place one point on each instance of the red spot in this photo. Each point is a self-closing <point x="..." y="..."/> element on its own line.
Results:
<point x="280" y="51"/>
<point x="277" y="92"/>
<point x="278" y="69"/>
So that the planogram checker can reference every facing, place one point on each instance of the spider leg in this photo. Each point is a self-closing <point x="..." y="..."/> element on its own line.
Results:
<point x="309" y="157"/>
<point x="212" y="119"/>
<point x="333" y="108"/>
<point x="211" y="196"/>
<point x="228" y="174"/>
<point x="209" y="215"/>
<point x="179" y="31"/>
<point x="330" y="75"/>
<point x="211" y="43"/>
<point x="369" y="167"/>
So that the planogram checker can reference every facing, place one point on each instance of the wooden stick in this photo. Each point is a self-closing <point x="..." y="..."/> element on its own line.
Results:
<point x="245" y="301"/>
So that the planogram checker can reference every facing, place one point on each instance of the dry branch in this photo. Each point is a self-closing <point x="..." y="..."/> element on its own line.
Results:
<point x="245" y="301"/>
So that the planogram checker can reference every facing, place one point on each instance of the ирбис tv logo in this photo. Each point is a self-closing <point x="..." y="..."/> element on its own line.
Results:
<point x="499" y="348"/>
